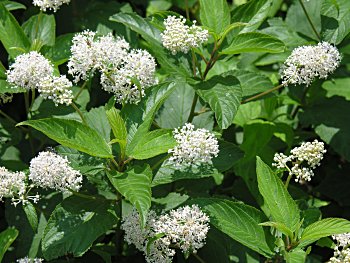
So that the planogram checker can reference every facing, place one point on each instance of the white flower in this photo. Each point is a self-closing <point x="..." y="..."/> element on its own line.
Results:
<point x="28" y="70"/>
<point x="178" y="37"/>
<point x="194" y="147"/>
<point x="308" y="62"/>
<point x="185" y="227"/>
<point x="50" y="4"/>
<point x="57" y="89"/>
<point x="139" y="66"/>
<point x="307" y="154"/>
<point x="30" y="260"/>
<point x="49" y="170"/>
<point x="341" y="250"/>
<point x="12" y="185"/>
<point x="82" y="61"/>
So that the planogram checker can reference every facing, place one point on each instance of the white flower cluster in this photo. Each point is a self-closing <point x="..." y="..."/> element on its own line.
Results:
<point x="57" y="89"/>
<point x="308" y="62"/>
<point x="30" y="260"/>
<point x="28" y="70"/>
<point x="308" y="154"/>
<point x="124" y="72"/>
<point x="50" y="4"/>
<point x="32" y="70"/>
<point x="12" y="185"/>
<point x="184" y="228"/>
<point x="49" y="170"/>
<point x="194" y="147"/>
<point x="341" y="250"/>
<point x="178" y="37"/>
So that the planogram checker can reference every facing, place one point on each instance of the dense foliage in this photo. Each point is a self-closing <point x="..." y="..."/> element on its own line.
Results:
<point x="175" y="131"/>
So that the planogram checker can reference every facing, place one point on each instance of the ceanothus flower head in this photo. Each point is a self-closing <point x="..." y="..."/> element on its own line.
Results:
<point x="308" y="62"/>
<point x="341" y="250"/>
<point x="194" y="147"/>
<point x="50" y="170"/>
<point x="50" y="4"/>
<point x="303" y="160"/>
<point x="179" y="37"/>
<point x="30" y="260"/>
<point x="57" y="89"/>
<point x="28" y="70"/>
<point x="12" y="185"/>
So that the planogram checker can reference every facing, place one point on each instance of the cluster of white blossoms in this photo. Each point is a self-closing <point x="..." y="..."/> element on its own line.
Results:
<point x="28" y="70"/>
<point x="179" y="37"/>
<point x="50" y="4"/>
<point x="302" y="160"/>
<point x="30" y="260"/>
<point x="308" y="62"/>
<point x="50" y="170"/>
<point x="33" y="71"/>
<point x="194" y="147"/>
<point x="57" y="89"/>
<point x="124" y="72"/>
<point x="12" y="185"/>
<point x="342" y="249"/>
<point x="185" y="228"/>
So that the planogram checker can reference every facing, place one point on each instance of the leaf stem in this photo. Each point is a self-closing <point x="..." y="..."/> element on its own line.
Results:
<point x="87" y="196"/>
<point x="193" y="107"/>
<point x="288" y="180"/>
<point x="263" y="93"/>
<point x="80" y="90"/>
<point x="26" y="102"/>
<point x="198" y="258"/>
<point x="309" y="19"/>
<point x="75" y="107"/>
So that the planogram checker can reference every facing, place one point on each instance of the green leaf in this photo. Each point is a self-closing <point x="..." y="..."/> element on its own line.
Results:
<point x="253" y="13"/>
<point x="282" y="207"/>
<point x="323" y="228"/>
<point x="97" y="119"/>
<point x="135" y="186"/>
<point x="215" y="14"/>
<point x="5" y="88"/>
<point x="60" y="52"/>
<point x="152" y="35"/>
<point x="296" y="256"/>
<point x="152" y="144"/>
<point x="171" y="201"/>
<point x="152" y="103"/>
<point x="72" y="134"/>
<point x="280" y="227"/>
<point x="6" y="239"/>
<point x="223" y="94"/>
<point x="254" y="42"/>
<point x="335" y="20"/>
<point x="167" y="173"/>
<point x="74" y="225"/>
<point x="11" y="5"/>
<point x="32" y="217"/>
<point x="11" y="34"/>
<point x="118" y="127"/>
<point x="238" y="221"/>
<point x="41" y="30"/>
<point x="228" y="155"/>
<point x="337" y="87"/>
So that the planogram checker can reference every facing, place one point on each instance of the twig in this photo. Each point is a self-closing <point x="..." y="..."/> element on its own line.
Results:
<point x="310" y="21"/>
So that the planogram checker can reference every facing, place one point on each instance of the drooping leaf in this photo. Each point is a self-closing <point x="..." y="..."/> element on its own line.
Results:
<point x="75" y="224"/>
<point x="31" y="214"/>
<point x="215" y="14"/>
<point x="135" y="186"/>
<point x="282" y="207"/>
<point x="6" y="239"/>
<point x="223" y="94"/>
<point x="12" y="5"/>
<point x="11" y="34"/>
<point x="72" y="134"/>
<point x="254" y="42"/>
<point x="323" y="228"/>
<point x="238" y="221"/>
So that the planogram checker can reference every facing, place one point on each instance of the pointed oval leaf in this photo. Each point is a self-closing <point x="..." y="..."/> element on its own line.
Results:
<point x="6" y="239"/>
<point x="215" y="14"/>
<point x="282" y="207"/>
<point x="72" y="134"/>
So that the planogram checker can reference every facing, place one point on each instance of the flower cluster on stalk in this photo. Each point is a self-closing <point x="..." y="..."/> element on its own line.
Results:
<point x="33" y="71"/>
<point x="30" y="260"/>
<point x="309" y="62"/>
<point x="342" y="249"/>
<point x="194" y="147"/>
<point x="302" y="160"/>
<point x="179" y="37"/>
<point x="124" y="72"/>
<point x="185" y="228"/>
<point x="50" y="4"/>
